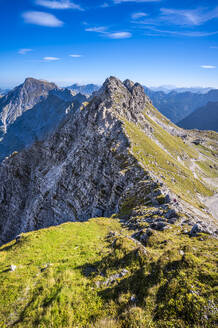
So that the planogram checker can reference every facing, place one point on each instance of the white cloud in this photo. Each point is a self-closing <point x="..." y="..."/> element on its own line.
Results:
<point x="119" y="35"/>
<point x="62" y="4"/>
<point x="51" y="59"/>
<point x="208" y="66"/>
<point x="158" y="31"/>
<point x="139" y="15"/>
<point x="24" y="51"/>
<point x="41" y="18"/>
<point x="112" y="35"/>
<point x="100" y="29"/>
<point x="75" y="56"/>
<point x="214" y="47"/>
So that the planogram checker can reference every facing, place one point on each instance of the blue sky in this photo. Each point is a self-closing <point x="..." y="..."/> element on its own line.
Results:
<point x="156" y="42"/>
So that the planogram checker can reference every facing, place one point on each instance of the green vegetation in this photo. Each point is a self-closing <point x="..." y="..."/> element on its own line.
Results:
<point x="209" y="168"/>
<point x="174" y="145"/>
<point x="63" y="278"/>
<point x="178" y="178"/>
<point x="48" y="288"/>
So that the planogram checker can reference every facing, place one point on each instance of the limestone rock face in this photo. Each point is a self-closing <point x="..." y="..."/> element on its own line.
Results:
<point x="85" y="169"/>
<point x="21" y="99"/>
<point x="31" y="112"/>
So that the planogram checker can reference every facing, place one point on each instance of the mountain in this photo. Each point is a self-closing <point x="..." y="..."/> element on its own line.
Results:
<point x="177" y="105"/>
<point x="116" y="215"/>
<point x="174" y="103"/>
<point x="86" y="89"/>
<point x="204" y="118"/>
<point x="31" y="111"/>
<point x="22" y="98"/>
<point x="91" y="154"/>
<point x="199" y="90"/>
<point x="168" y="89"/>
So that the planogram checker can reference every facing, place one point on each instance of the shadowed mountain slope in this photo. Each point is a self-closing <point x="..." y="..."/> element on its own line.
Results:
<point x="204" y="118"/>
<point x="176" y="106"/>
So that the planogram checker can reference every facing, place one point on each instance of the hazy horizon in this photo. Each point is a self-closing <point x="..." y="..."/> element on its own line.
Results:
<point x="67" y="84"/>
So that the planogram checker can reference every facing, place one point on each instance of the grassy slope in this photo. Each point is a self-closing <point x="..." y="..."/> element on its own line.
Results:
<point x="171" y="285"/>
<point x="178" y="177"/>
<point x="203" y="155"/>
<point x="60" y="294"/>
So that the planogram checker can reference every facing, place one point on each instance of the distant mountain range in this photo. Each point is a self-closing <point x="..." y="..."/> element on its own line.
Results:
<point x="168" y="89"/>
<point x="178" y="105"/>
<point x="204" y="118"/>
<point x="86" y="89"/>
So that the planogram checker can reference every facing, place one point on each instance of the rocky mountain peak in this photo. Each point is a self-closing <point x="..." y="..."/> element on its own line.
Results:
<point x="21" y="99"/>
<point x="112" y="85"/>
<point x="123" y="98"/>
<point x="129" y="84"/>
<point x="30" y="85"/>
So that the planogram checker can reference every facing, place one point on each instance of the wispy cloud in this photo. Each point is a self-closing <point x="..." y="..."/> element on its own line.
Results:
<point x="100" y="29"/>
<point x="158" y="32"/>
<point x="75" y="56"/>
<point x="62" y="4"/>
<point x="214" y="47"/>
<point x="24" y="51"/>
<point x="188" y="17"/>
<point x="50" y="59"/>
<point x="208" y="66"/>
<point x="119" y="35"/>
<point x="139" y="15"/>
<point x="176" y="22"/>
<point x="121" y="1"/>
<point x="41" y="18"/>
<point x="112" y="35"/>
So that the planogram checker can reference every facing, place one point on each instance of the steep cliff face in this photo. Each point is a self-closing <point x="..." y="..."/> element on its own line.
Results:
<point x="31" y="112"/>
<point x="21" y="99"/>
<point x="88" y="167"/>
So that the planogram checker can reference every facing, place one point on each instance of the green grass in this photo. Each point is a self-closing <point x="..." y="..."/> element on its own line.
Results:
<point x="174" y="145"/>
<point x="209" y="168"/>
<point x="176" y="176"/>
<point x="171" y="285"/>
<point x="174" y="283"/>
<point x="59" y="295"/>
